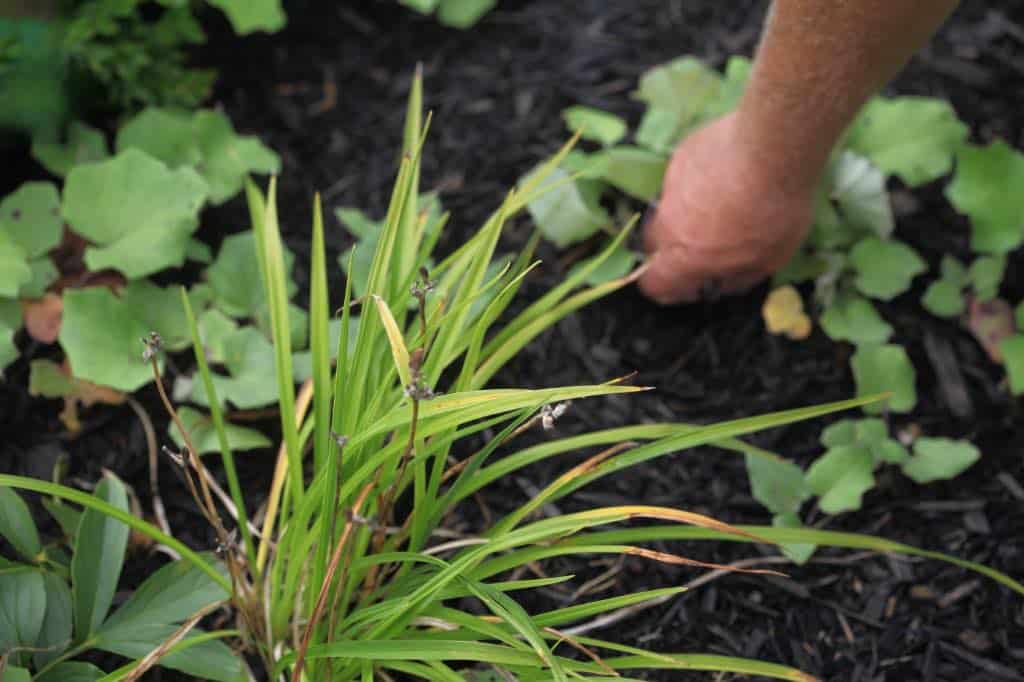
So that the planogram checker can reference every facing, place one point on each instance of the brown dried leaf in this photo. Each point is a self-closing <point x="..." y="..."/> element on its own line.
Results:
<point x="42" y="317"/>
<point x="990" y="322"/>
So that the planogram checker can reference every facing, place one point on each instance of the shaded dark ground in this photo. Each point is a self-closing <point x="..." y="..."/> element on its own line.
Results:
<point x="496" y="93"/>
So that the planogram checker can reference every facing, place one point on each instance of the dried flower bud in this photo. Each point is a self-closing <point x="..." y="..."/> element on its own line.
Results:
<point x="550" y="413"/>
<point x="153" y="343"/>
<point x="416" y="360"/>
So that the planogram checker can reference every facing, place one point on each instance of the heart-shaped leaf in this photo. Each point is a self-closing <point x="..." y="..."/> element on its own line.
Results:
<point x="568" y="213"/>
<point x="98" y="558"/>
<point x="878" y="368"/>
<point x="944" y="298"/>
<point x="139" y="213"/>
<point x="229" y="158"/>
<point x="938" y="459"/>
<point x="852" y="318"/>
<point x="884" y="268"/>
<point x="164" y="134"/>
<point x="249" y="360"/>
<point x="777" y="483"/>
<point x="986" y="276"/>
<point x="986" y="189"/>
<point x="637" y="172"/>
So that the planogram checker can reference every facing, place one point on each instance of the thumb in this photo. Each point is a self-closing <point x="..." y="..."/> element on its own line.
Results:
<point x="670" y="278"/>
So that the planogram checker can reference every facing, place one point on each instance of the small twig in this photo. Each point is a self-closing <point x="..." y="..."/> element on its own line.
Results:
<point x="154" y="656"/>
<point x="159" y="512"/>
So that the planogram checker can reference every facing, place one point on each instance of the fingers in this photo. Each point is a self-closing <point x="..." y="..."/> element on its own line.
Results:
<point x="673" y="276"/>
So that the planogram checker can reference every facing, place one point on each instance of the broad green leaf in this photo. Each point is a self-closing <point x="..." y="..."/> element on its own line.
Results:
<point x="22" y="606"/>
<point x="635" y="171"/>
<point x="172" y="594"/>
<point x="102" y="339"/>
<point x="802" y="267"/>
<point x="31" y="217"/>
<point x="159" y="309"/>
<point x="235" y="277"/>
<point x="944" y="299"/>
<point x="55" y="632"/>
<point x="564" y="214"/>
<point x="228" y="158"/>
<point x="852" y="318"/>
<point x="858" y="188"/>
<point x="47" y="380"/>
<point x="214" y="329"/>
<point x="776" y="483"/>
<point x="737" y="73"/>
<point x="1012" y="349"/>
<point x="44" y="273"/>
<point x="17" y="526"/>
<point x="249" y="360"/>
<point x="911" y="137"/>
<point x="599" y="126"/>
<point x="986" y="188"/>
<point x="463" y="13"/>
<point x="872" y="434"/>
<point x="84" y="145"/>
<point x="618" y="264"/>
<point x="878" y="368"/>
<point x="164" y="134"/>
<point x="72" y="671"/>
<point x="884" y="268"/>
<point x="10" y="321"/>
<point x="247" y="16"/>
<point x="841" y="477"/>
<point x="798" y="552"/>
<point x="423" y="6"/>
<point x="953" y="270"/>
<point x="140" y="214"/>
<point x="358" y="224"/>
<point x="97" y="559"/>
<point x="66" y="516"/>
<point x="939" y="459"/>
<point x="14" y="673"/>
<point x="14" y="268"/>
<point x="986" y="275"/>
<point x="684" y="85"/>
<point x="210" y="660"/>
<point x="660" y="131"/>
<point x="204" y="435"/>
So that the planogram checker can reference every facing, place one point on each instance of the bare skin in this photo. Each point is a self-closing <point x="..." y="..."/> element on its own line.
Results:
<point x="738" y="194"/>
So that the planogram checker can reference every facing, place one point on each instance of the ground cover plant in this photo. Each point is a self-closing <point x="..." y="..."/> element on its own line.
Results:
<point x="351" y="569"/>
<point x="454" y="13"/>
<point x="850" y="256"/>
<point x="80" y="252"/>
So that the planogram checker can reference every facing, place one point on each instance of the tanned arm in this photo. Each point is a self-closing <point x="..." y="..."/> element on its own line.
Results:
<point x="738" y="194"/>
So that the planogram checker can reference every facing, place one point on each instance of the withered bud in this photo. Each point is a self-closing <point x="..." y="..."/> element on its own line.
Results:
<point x="153" y="343"/>
<point x="416" y="360"/>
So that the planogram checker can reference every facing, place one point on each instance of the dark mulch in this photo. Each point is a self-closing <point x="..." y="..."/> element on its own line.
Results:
<point x="496" y="93"/>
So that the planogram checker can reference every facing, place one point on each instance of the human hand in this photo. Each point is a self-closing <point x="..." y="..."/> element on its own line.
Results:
<point x="722" y="225"/>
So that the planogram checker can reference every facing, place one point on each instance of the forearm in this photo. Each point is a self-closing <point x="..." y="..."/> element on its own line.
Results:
<point x="818" y="63"/>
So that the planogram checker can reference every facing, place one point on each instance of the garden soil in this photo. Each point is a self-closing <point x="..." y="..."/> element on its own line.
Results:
<point x="328" y="94"/>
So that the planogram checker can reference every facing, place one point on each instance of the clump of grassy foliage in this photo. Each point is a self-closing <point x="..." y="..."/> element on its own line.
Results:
<point x="351" y="570"/>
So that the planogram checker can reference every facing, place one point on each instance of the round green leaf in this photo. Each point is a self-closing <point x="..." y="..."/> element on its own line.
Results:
<point x="841" y="477"/>
<point x="986" y="188"/>
<point x="854" y="319"/>
<point x="884" y="268"/>
<point x="164" y="134"/>
<point x="879" y="368"/>
<point x="635" y="171"/>
<point x="911" y="137"/>
<point x="17" y="526"/>
<point x="953" y="271"/>
<point x="247" y="16"/>
<point x="599" y="126"/>
<point x="85" y="145"/>
<point x="463" y="13"/>
<point x="842" y="432"/>
<point x="937" y="459"/>
<point x="944" y="299"/>
<point x="986" y="276"/>
<point x="160" y="310"/>
<point x="140" y="214"/>
<point x="684" y="87"/>
<point x="98" y="558"/>
<point x="31" y="217"/>
<point x="563" y="214"/>
<point x="101" y="337"/>
<point x="251" y="383"/>
<point x="228" y="158"/>
<point x="235" y="276"/>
